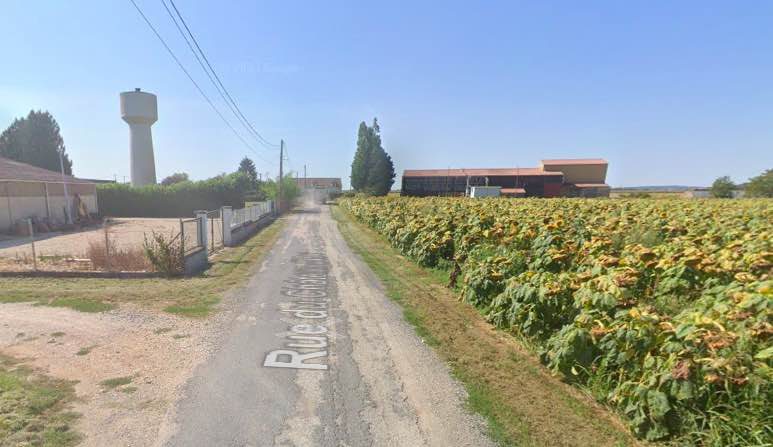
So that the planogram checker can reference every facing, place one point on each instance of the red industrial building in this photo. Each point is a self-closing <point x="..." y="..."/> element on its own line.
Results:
<point x="553" y="178"/>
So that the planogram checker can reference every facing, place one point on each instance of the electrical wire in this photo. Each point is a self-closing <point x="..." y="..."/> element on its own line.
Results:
<point x="204" y="95"/>
<point x="227" y="97"/>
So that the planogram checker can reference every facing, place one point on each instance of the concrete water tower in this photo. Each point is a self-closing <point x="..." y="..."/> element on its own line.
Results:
<point x="140" y="110"/>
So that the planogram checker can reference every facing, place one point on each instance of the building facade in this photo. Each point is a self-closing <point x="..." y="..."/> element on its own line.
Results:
<point x="553" y="178"/>
<point x="320" y="189"/>
<point x="28" y="191"/>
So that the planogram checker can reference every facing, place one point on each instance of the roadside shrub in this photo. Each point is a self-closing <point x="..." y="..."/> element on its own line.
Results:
<point x="165" y="254"/>
<point x="177" y="200"/>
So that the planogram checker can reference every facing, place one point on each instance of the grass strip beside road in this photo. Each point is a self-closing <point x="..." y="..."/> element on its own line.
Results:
<point x="193" y="297"/>
<point x="34" y="409"/>
<point x="522" y="402"/>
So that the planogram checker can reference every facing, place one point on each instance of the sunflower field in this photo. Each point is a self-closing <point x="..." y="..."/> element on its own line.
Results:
<point x="662" y="309"/>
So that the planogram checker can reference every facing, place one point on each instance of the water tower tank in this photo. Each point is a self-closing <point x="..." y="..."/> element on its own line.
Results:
<point x="140" y="110"/>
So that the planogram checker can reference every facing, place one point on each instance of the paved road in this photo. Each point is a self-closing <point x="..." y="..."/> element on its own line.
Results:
<point x="318" y="356"/>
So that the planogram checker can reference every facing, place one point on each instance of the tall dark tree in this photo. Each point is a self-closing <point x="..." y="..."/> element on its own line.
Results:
<point x="361" y="162"/>
<point x="248" y="167"/>
<point x="35" y="140"/>
<point x="382" y="174"/>
<point x="373" y="171"/>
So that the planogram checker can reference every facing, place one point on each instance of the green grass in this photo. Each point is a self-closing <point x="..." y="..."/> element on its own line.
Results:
<point x="200" y="309"/>
<point x="82" y="305"/>
<point x="86" y="350"/>
<point x="522" y="404"/>
<point x="115" y="382"/>
<point x="194" y="297"/>
<point x="58" y="334"/>
<point x="34" y="409"/>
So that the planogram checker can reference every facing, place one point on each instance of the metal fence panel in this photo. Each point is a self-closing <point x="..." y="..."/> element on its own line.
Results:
<point x="215" y="230"/>
<point x="189" y="235"/>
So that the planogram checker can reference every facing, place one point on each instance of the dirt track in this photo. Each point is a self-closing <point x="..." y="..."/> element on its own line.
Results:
<point x="367" y="379"/>
<point x="233" y="379"/>
<point x="158" y="352"/>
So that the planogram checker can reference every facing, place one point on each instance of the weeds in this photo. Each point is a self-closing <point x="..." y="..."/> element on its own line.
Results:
<point x="115" y="382"/>
<point x="34" y="409"/>
<point x="117" y="259"/>
<point x="86" y="350"/>
<point x="165" y="254"/>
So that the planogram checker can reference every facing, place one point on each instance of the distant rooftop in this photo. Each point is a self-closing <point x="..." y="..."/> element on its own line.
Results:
<point x="575" y="161"/>
<point x="477" y="172"/>
<point x="12" y="170"/>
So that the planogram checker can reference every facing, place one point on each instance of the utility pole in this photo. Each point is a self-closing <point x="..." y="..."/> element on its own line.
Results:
<point x="304" y="178"/>
<point x="67" y="211"/>
<point x="281" y="174"/>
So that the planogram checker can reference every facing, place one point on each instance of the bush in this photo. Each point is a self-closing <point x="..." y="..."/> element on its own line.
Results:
<point x="165" y="254"/>
<point x="177" y="200"/>
<point x="290" y="190"/>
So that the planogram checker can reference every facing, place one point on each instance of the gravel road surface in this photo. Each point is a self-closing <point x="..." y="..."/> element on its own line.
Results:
<point x="317" y="355"/>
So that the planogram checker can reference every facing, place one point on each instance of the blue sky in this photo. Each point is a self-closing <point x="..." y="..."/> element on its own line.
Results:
<point x="668" y="92"/>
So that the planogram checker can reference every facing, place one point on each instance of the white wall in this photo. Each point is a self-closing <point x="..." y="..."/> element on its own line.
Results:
<point x="22" y="200"/>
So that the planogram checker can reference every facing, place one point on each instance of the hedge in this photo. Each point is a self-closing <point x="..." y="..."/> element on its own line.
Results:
<point x="178" y="200"/>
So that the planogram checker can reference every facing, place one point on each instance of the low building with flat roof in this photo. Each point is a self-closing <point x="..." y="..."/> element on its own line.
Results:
<point x="553" y="178"/>
<point x="28" y="191"/>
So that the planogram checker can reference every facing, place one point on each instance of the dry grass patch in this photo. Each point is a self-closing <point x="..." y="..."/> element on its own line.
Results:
<point x="127" y="259"/>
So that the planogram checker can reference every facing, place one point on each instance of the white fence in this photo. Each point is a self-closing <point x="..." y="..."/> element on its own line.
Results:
<point x="251" y="213"/>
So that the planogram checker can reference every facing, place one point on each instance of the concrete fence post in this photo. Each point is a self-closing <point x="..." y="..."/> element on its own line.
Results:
<point x="203" y="233"/>
<point x="227" y="214"/>
<point x="31" y="231"/>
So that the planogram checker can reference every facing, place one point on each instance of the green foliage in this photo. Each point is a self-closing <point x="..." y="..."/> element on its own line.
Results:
<point x="722" y="188"/>
<point x="247" y="167"/>
<point x="165" y="254"/>
<point x="290" y="190"/>
<point x="637" y="195"/>
<point x="761" y="186"/>
<point x="662" y="309"/>
<point x="373" y="171"/>
<point x="177" y="177"/>
<point x="177" y="200"/>
<point x="35" y="140"/>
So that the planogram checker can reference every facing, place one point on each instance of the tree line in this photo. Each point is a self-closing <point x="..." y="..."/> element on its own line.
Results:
<point x="759" y="186"/>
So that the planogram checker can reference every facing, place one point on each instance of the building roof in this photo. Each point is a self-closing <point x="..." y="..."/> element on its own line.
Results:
<point x="576" y="161"/>
<point x="319" y="181"/>
<point x="591" y="185"/>
<point x="493" y="172"/>
<point x="12" y="170"/>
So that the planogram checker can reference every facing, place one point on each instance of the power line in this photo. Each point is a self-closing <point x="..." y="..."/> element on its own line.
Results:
<point x="204" y="95"/>
<point x="234" y="107"/>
